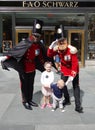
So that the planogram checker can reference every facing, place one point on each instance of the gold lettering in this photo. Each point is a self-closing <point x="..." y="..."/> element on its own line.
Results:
<point x="55" y="4"/>
<point x="49" y="4"/>
<point x="76" y="4"/>
<point x="61" y="4"/>
<point x="71" y="4"/>
<point x="25" y="4"/>
<point x="66" y="4"/>
<point x="30" y="4"/>
<point x="36" y="4"/>
<point x="44" y="4"/>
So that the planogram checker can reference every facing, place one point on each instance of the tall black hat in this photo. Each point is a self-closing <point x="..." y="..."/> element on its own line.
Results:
<point x="37" y="27"/>
<point x="59" y="31"/>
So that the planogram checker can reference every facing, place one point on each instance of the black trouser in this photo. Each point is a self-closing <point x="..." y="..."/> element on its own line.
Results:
<point x="27" y="86"/>
<point x="76" y="90"/>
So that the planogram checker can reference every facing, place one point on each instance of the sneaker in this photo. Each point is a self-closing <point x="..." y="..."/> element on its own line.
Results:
<point x="53" y="109"/>
<point x="62" y="110"/>
<point x="49" y="105"/>
<point x="43" y="106"/>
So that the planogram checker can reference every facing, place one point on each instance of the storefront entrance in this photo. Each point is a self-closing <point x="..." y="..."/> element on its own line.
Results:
<point x="76" y="38"/>
<point x="48" y="35"/>
<point x="22" y="34"/>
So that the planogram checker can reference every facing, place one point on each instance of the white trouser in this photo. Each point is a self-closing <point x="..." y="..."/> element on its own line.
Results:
<point x="57" y="100"/>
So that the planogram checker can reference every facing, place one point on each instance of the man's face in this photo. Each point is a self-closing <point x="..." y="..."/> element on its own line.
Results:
<point x="62" y="45"/>
<point x="36" y="38"/>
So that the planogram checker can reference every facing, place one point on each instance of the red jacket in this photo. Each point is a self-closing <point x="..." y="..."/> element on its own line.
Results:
<point x="29" y="57"/>
<point x="69" y="61"/>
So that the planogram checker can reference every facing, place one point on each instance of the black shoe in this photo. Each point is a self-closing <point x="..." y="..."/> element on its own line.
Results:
<point x="80" y="110"/>
<point x="33" y="104"/>
<point x="27" y="105"/>
<point x="66" y="103"/>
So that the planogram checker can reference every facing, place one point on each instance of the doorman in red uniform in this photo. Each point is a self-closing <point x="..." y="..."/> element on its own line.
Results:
<point x="26" y="57"/>
<point x="69" y="67"/>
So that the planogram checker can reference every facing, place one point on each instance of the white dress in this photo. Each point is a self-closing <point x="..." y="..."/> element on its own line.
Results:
<point x="46" y="79"/>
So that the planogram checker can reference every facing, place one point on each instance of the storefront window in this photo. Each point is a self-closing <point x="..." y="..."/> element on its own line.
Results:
<point x="7" y="32"/>
<point x="91" y="37"/>
<point x="68" y="20"/>
<point x="7" y="27"/>
<point x="51" y="19"/>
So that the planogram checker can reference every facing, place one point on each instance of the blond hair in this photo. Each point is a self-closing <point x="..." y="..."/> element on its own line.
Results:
<point x="60" y="83"/>
<point x="47" y="62"/>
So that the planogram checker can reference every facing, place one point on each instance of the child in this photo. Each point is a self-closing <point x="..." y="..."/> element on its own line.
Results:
<point x="47" y="77"/>
<point x="57" y="63"/>
<point x="57" y="93"/>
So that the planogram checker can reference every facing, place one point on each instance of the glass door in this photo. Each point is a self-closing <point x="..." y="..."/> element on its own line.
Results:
<point x="48" y="37"/>
<point x="76" y="38"/>
<point x="22" y="34"/>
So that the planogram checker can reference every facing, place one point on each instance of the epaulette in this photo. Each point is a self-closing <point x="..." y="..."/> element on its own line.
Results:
<point x="73" y="49"/>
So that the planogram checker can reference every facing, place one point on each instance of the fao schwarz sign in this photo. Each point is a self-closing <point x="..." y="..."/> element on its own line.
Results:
<point x="49" y="4"/>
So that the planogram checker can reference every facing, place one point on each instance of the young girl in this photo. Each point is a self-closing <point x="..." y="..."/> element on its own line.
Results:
<point x="47" y="77"/>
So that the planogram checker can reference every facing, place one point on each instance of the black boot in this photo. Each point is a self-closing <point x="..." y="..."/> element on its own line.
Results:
<point x="66" y="102"/>
<point x="33" y="104"/>
<point x="79" y="109"/>
<point x="27" y="105"/>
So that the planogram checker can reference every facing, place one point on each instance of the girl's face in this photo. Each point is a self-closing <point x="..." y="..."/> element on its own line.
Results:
<point x="48" y="67"/>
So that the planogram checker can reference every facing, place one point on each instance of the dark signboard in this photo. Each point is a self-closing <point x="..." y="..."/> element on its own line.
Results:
<point x="47" y="4"/>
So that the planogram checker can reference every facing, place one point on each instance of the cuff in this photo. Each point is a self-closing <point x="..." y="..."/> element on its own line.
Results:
<point x="73" y="73"/>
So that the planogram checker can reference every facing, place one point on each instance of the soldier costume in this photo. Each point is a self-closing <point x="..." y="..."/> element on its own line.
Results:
<point x="69" y="68"/>
<point x="25" y="58"/>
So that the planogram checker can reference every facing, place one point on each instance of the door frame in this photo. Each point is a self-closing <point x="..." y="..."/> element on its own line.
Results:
<point x="48" y="36"/>
<point x="82" y="62"/>
<point x="29" y="31"/>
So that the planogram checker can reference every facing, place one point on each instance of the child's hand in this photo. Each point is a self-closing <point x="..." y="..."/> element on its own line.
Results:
<point x="47" y="87"/>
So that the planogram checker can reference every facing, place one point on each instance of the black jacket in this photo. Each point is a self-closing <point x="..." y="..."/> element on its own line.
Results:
<point x="16" y="57"/>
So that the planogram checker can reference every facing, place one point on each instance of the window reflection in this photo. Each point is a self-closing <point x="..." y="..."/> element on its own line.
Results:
<point x="91" y="37"/>
<point x="7" y="27"/>
<point x="76" y="41"/>
<point x="68" y="19"/>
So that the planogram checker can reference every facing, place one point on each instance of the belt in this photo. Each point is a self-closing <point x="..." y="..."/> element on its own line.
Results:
<point x="29" y="60"/>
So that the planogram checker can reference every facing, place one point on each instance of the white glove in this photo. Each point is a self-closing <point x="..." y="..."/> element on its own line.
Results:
<point x="3" y="58"/>
<point x="55" y="48"/>
<point x="53" y="44"/>
<point x="70" y="79"/>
